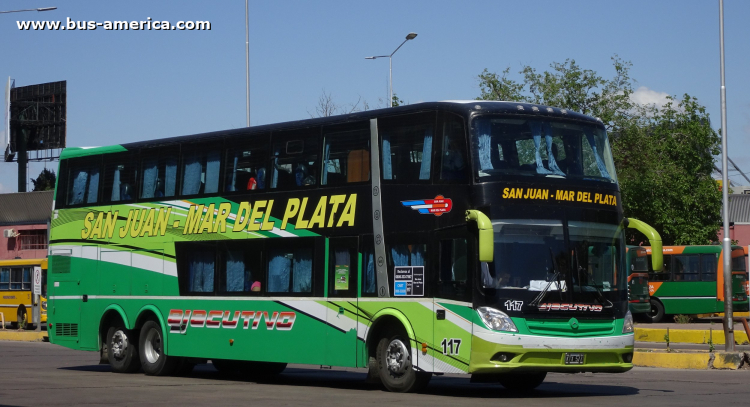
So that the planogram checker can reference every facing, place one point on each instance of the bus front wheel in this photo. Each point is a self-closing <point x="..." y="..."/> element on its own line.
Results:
<point x="657" y="311"/>
<point x="122" y="350"/>
<point x="395" y="365"/>
<point x="151" y="348"/>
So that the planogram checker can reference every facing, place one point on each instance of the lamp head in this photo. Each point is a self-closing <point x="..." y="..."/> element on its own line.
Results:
<point x="411" y="36"/>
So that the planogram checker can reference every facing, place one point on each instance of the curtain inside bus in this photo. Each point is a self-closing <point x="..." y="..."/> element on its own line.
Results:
<point x="201" y="266"/>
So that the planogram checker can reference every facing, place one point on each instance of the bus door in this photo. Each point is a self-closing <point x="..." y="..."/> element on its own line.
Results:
<point x="452" y="304"/>
<point x="342" y="284"/>
<point x="65" y="293"/>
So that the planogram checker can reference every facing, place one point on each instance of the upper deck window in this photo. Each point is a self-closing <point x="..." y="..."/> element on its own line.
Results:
<point x="504" y="145"/>
<point x="200" y="171"/>
<point x="83" y="184"/>
<point x="407" y="147"/>
<point x="295" y="159"/>
<point x="247" y="167"/>
<point x="159" y="177"/>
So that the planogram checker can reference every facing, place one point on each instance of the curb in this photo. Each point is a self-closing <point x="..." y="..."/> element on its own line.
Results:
<point x="24" y="336"/>
<point x="688" y="336"/>
<point x="702" y="360"/>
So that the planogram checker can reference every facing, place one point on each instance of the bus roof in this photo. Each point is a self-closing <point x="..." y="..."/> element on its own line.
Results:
<point x="463" y="107"/>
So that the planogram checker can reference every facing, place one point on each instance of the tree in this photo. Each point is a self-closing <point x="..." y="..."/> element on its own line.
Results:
<point x="664" y="156"/>
<point x="327" y="107"/>
<point x="45" y="181"/>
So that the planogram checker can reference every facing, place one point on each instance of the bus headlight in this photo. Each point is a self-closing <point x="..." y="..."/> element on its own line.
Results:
<point x="627" y="324"/>
<point x="496" y="320"/>
<point x="44" y="304"/>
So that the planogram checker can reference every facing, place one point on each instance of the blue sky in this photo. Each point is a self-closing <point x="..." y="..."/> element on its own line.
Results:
<point x="127" y="86"/>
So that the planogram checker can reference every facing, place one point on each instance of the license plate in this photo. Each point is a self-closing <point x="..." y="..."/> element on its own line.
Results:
<point x="574" y="358"/>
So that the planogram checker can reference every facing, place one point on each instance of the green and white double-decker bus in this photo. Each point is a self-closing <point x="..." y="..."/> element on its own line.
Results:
<point x="483" y="238"/>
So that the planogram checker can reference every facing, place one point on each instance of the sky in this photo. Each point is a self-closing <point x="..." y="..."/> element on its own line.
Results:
<point x="125" y="86"/>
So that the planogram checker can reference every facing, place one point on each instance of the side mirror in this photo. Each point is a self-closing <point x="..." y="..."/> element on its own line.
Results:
<point x="654" y="239"/>
<point x="486" y="234"/>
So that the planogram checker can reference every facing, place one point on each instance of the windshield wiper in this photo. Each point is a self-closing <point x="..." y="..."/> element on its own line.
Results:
<point x="555" y="279"/>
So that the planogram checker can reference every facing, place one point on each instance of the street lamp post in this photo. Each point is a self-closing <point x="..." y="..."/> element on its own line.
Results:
<point x="247" y="61"/>
<point x="410" y="36"/>
<point x="30" y="9"/>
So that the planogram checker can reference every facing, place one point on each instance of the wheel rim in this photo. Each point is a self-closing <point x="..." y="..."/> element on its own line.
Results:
<point x="119" y="344"/>
<point x="397" y="356"/>
<point x="152" y="347"/>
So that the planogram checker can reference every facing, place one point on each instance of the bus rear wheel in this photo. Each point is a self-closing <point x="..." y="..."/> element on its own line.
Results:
<point x="657" y="311"/>
<point x="522" y="381"/>
<point x="122" y="350"/>
<point x="395" y="365"/>
<point x="151" y="349"/>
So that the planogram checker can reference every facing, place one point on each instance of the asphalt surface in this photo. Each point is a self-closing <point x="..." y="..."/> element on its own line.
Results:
<point x="33" y="374"/>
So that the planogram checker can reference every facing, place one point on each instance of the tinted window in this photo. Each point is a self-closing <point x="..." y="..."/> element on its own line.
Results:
<point x="708" y="266"/>
<point x="406" y="143"/>
<point x="342" y="268"/>
<point x="247" y="167"/>
<point x="454" y="270"/>
<point x="83" y="183"/>
<point x="346" y="157"/>
<point x="159" y="174"/>
<point x="290" y="270"/>
<point x="119" y="179"/>
<point x="200" y="171"/>
<point x="665" y="273"/>
<point x="453" y="161"/>
<point x="295" y="159"/>
<point x="686" y="267"/>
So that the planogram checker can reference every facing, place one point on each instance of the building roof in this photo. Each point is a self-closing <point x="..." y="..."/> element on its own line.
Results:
<point x="26" y="208"/>
<point x="739" y="208"/>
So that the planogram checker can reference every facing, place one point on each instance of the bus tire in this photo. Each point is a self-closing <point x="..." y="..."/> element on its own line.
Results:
<point x="395" y="364"/>
<point x="151" y="349"/>
<point x="122" y="350"/>
<point x="522" y="381"/>
<point x="657" y="311"/>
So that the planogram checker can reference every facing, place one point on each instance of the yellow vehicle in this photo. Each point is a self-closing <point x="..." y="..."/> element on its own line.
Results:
<point x="16" y="283"/>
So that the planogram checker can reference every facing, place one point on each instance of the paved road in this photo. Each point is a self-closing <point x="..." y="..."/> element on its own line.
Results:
<point x="33" y="374"/>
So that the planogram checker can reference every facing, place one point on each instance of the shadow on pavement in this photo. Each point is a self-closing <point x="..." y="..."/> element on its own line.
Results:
<point x="439" y="385"/>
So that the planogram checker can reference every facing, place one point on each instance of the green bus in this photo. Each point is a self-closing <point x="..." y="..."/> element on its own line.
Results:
<point x="483" y="238"/>
<point x="692" y="281"/>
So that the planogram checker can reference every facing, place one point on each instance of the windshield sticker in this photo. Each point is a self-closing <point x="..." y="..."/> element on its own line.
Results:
<point x="437" y="206"/>
<point x="408" y="281"/>
<point x="511" y="305"/>
<point x="570" y="307"/>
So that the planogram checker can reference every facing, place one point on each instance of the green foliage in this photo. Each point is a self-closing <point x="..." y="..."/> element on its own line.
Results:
<point x="45" y="181"/>
<point x="664" y="156"/>
<point x="396" y="101"/>
<point x="682" y="319"/>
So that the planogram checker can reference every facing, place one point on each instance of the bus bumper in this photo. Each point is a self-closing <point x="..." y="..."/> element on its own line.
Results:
<point x="494" y="353"/>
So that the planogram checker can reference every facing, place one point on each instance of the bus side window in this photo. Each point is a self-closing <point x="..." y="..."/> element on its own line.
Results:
<point x="290" y="270"/>
<point x="83" y="184"/>
<point x="159" y="175"/>
<point x="201" y="264"/>
<point x="406" y="255"/>
<point x="708" y="266"/>
<point x="407" y="147"/>
<point x="369" y="280"/>
<point x="665" y="273"/>
<point x="295" y="159"/>
<point x="119" y="179"/>
<point x="346" y="157"/>
<point x="242" y="272"/>
<point x="686" y="267"/>
<point x="5" y="278"/>
<point x="200" y="169"/>
<point x="246" y="168"/>
<point x="453" y="161"/>
<point x="453" y="270"/>
<point x="343" y="268"/>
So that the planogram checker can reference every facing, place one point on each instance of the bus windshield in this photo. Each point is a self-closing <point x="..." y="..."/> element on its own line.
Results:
<point x="582" y="260"/>
<point x="505" y="146"/>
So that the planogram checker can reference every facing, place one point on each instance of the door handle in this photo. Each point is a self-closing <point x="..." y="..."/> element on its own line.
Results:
<point x="85" y="298"/>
